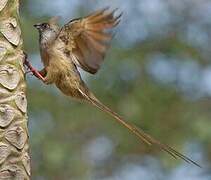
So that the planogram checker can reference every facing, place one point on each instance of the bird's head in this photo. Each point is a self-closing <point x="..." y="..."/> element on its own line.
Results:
<point x="42" y="27"/>
<point x="48" y="30"/>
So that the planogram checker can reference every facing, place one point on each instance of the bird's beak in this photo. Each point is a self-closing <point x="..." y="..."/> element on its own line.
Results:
<point x="37" y="26"/>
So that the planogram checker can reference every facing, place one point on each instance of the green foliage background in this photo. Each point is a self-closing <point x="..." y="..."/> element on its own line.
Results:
<point x="61" y="129"/>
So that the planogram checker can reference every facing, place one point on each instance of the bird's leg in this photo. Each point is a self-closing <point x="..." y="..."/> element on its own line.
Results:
<point x="38" y="74"/>
<point x="43" y="72"/>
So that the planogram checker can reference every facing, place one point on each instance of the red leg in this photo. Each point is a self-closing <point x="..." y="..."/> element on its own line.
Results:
<point x="43" y="72"/>
<point x="33" y="70"/>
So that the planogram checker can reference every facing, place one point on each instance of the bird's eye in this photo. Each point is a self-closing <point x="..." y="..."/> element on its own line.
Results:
<point x="44" y="25"/>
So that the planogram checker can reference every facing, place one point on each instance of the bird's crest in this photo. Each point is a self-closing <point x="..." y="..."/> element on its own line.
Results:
<point x="54" y="20"/>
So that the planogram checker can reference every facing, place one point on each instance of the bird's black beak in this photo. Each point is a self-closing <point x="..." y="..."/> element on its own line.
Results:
<point x="37" y="26"/>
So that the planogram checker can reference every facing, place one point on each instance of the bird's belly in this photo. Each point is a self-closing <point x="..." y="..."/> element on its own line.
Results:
<point x="68" y="85"/>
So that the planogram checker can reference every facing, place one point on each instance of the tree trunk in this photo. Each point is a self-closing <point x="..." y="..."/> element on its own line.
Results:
<point x="14" y="141"/>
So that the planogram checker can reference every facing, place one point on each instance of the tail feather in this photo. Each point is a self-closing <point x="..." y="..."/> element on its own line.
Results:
<point x="137" y="131"/>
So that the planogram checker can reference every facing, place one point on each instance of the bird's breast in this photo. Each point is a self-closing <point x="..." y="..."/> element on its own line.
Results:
<point x="45" y="56"/>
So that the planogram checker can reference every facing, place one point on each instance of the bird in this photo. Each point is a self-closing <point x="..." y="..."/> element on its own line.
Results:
<point x="83" y="42"/>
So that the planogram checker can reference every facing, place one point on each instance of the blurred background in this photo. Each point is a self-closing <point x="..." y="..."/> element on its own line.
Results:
<point x="157" y="74"/>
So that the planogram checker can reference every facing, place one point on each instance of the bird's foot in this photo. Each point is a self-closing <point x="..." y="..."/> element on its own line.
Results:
<point x="47" y="80"/>
<point x="31" y="69"/>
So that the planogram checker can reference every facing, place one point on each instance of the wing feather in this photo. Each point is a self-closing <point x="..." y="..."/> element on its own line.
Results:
<point x="88" y="38"/>
<point x="99" y="36"/>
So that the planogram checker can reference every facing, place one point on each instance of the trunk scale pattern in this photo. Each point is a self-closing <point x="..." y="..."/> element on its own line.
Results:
<point x="14" y="139"/>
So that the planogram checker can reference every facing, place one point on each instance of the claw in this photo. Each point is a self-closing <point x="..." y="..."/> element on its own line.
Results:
<point x="27" y="72"/>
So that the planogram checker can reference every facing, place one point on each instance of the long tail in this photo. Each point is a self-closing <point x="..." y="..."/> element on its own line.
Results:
<point x="137" y="131"/>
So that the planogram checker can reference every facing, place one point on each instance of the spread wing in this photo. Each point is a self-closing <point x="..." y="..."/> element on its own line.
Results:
<point x="87" y="39"/>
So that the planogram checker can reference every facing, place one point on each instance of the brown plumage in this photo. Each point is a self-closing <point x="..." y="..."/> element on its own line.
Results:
<point x="83" y="43"/>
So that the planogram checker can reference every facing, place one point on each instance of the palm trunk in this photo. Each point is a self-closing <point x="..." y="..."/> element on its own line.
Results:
<point x="14" y="141"/>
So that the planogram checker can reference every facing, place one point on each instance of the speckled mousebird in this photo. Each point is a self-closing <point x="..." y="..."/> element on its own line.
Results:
<point x="83" y="43"/>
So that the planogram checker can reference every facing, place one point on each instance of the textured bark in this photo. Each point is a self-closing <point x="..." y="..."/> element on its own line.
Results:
<point x="14" y="147"/>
